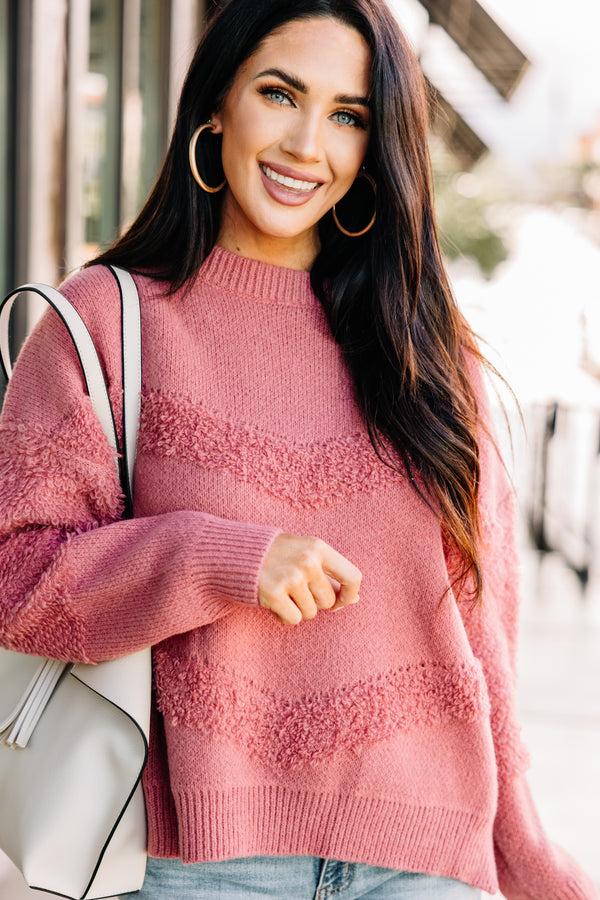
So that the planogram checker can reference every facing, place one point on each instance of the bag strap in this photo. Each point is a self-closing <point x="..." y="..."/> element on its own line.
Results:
<point x="18" y="728"/>
<point x="131" y="356"/>
<point x="90" y="364"/>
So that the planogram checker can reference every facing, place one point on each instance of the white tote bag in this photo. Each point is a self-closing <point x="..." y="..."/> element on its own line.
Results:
<point x="74" y="737"/>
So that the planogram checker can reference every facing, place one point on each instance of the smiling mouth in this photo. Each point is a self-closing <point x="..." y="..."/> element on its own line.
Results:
<point x="290" y="184"/>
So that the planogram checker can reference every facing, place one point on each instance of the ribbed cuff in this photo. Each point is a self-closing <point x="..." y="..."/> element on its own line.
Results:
<point x="557" y="885"/>
<point x="581" y="886"/>
<point x="232" y="558"/>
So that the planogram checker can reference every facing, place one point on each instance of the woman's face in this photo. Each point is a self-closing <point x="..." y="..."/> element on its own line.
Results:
<point x="295" y="128"/>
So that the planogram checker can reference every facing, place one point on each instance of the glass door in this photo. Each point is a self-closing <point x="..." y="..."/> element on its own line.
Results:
<point x="102" y="125"/>
<point x="5" y="132"/>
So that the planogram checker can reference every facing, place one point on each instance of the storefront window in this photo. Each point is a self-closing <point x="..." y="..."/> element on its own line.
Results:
<point x="125" y="113"/>
<point x="102" y="131"/>
<point x="153" y="88"/>
<point x="4" y="135"/>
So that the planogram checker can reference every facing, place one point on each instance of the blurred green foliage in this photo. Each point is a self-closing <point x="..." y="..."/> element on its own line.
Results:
<point x="468" y="206"/>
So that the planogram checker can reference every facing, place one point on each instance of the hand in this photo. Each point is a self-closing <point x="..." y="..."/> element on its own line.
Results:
<point x="296" y="579"/>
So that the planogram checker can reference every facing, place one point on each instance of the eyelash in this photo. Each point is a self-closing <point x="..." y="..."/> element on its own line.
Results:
<point x="359" y="122"/>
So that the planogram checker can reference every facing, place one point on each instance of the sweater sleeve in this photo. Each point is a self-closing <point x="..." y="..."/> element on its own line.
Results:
<point x="529" y="865"/>
<point x="76" y="581"/>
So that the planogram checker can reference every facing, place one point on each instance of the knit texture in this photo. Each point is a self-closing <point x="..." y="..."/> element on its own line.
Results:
<point x="385" y="733"/>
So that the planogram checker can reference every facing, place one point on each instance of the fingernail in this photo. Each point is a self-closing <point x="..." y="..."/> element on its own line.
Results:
<point x="344" y="605"/>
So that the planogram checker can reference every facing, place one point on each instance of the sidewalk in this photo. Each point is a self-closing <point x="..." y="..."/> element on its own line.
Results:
<point x="559" y="694"/>
<point x="560" y="711"/>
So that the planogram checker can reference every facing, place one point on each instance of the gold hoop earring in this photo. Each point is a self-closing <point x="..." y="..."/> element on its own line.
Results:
<point x="371" y="223"/>
<point x="194" y="164"/>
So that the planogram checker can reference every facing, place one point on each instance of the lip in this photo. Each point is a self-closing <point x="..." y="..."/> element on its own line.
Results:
<point x="284" y="195"/>
<point x="297" y="174"/>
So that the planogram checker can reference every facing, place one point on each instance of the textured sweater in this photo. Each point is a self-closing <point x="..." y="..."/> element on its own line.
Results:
<point x="383" y="733"/>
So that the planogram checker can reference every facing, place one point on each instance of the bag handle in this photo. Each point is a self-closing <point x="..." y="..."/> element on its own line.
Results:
<point x="20" y="725"/>
<point x="131" y="356"/>
<point x="90" y="364"/>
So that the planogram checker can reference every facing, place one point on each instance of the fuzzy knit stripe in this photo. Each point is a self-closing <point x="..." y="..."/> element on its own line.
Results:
<point x="311" y="475"/>
<point x="36" y="610"/>
<point x="287" y="734"/>
<point x="45" y="474"/>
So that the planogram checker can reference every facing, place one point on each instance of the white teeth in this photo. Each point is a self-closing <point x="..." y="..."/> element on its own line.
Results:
<point x="288" y="182"/>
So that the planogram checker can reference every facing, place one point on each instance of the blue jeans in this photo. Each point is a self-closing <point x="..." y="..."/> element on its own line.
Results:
<point x="292" y="878"/>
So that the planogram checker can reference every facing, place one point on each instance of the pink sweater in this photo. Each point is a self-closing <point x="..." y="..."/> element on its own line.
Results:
<point x="384" y="733"/>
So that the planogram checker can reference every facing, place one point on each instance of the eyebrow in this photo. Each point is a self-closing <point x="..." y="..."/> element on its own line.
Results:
<point x="294" y="82"/>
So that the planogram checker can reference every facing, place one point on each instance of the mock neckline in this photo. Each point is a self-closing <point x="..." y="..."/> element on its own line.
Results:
<point x="256" y="279"/>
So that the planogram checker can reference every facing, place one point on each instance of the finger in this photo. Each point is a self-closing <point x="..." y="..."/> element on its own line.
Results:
<point x="336" y="587"/>
<point x="323" y="592"/>
<point x="303" y="597"/>
<point x="346" y="598"/>
<point x="339" y="605"/>
<point x="283" y="608"/>
<point x="337" y="566"/>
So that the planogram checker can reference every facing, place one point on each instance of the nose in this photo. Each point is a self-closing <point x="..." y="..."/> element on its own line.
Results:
<point x="303" y="139"/>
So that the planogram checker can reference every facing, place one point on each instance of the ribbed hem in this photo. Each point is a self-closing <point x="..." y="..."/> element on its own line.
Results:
<point x="162" y="836"/>
<point x="258" y="280"/>
<point x="272" y="821"/>
<point x="232" y="558"/>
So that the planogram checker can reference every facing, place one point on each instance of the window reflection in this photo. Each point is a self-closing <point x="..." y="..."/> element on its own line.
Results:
<point x="153" y="86"/>
<point x="124" y="119"/>
<point x="4" y="133"/>
<point x="101" y="125"/>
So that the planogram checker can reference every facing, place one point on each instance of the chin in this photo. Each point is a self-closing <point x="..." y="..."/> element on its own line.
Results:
<point x="286" y="231"/>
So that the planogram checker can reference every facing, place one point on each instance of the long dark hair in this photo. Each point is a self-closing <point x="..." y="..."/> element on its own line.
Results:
<point x="386" y="294"/>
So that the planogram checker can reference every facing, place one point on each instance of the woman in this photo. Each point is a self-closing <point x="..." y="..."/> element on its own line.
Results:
<point x="312" y="415"/>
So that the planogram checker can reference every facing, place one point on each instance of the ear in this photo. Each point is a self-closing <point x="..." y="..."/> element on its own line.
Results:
<point x="217" y="123"/>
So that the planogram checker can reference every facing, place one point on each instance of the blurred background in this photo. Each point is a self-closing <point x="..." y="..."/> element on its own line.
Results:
<point x="88" y="92"/>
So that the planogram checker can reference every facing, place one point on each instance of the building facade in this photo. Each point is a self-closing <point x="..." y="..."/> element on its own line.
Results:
<point x="88" y="93"/>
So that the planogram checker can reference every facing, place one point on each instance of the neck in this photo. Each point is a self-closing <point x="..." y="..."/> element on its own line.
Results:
<point x="290" y="253"/>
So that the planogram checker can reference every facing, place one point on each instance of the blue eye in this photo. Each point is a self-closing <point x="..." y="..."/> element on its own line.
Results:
<point x="345" y="118"/>
<point x="352" y="120"/>
<point x="275" y="95"/>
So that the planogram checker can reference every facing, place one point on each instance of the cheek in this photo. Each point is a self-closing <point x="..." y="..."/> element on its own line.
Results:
<point x="347" y="153"/>
<point x="234" y="151"/>
<point x="244" y="136"/>
<point x="346" y="166"/>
